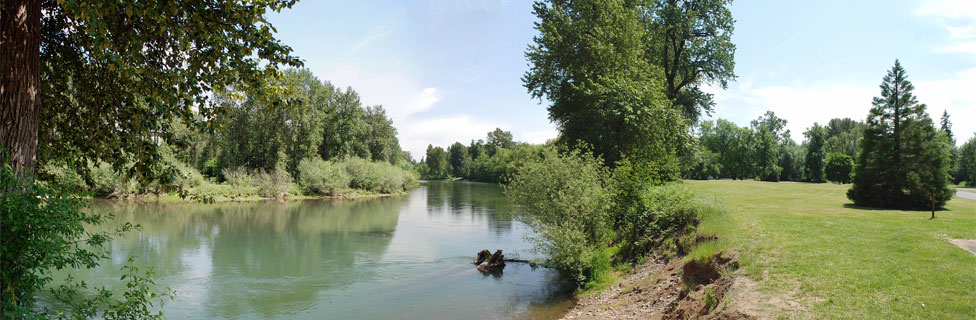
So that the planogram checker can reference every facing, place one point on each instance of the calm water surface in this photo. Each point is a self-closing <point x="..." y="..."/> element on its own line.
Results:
<point x="390" y="258"/>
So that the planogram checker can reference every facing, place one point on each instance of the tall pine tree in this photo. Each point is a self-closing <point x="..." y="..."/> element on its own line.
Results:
<point x="904" y="161"/>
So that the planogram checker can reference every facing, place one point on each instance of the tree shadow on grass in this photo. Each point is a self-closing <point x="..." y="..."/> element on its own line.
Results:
<point x="857" y="207"/>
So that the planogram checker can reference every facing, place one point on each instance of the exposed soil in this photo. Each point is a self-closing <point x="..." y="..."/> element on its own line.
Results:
<point x="672" y="290"/>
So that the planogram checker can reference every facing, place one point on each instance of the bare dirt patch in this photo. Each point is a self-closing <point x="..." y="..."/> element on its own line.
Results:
<point x="968" y="244"/>
<point x="672" y="290"/>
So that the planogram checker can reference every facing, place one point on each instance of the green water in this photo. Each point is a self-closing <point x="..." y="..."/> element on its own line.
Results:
<point x="402" y="257"/>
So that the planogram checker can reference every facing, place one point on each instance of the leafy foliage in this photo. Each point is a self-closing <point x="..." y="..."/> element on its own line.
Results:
<point x="965" y="169"/>
<point x="590" y="61"/>
<point x="125" y="72"/>
<point x="816" y="153"/>
<point x="839" y="167"/>
<point x="322" y="177"/>
<point x="43" y="231"/>
<point x="769" y="133"/>
<point x="437" y="163"/>
<point x="904" y="161"/>
<point x="691" y="42"/>
<point x="566" y="198"/>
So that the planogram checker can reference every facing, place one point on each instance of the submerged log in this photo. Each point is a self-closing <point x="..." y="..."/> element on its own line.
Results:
<point x="488" y="262"/>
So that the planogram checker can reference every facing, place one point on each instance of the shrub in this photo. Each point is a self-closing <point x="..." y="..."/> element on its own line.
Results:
<point x="109" y="183"/>
<point x="44" y="230"/>
<point x="362" y="173"/>
<point x="380" y="176"/>
<point x="656" y="213"/>
<point x="210" y="191"/>
<point x="273" y="184"/>
<point x="188" y="177"/>
<point x="239" y="178"/>
<point x="839" y="167"/>
<point x="322" y="177"/>
<point x="565" y="198"/>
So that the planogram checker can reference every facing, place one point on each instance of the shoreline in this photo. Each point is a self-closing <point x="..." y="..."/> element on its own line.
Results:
<point x="172" y="198"/>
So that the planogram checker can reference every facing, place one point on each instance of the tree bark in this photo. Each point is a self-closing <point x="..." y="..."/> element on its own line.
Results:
<point x="20" y="28"/>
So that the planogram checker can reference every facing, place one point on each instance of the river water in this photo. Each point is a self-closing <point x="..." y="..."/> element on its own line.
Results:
<point x="404" y="257"/>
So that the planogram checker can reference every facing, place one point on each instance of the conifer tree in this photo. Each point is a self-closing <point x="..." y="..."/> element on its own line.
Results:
<point x="904" y="160"/>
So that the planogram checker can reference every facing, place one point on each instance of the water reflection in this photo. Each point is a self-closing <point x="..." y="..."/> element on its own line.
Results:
<point x="398" y="257"/>
<point x="238" y="258"/>
<point x="481" y="201"/>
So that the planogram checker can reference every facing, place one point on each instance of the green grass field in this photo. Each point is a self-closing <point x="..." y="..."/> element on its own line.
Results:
<point x="808" y="242"/>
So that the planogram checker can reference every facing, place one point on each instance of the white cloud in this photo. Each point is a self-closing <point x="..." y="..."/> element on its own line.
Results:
<point x="802" y="105"/>
<point x="958" y="17"/>
<point x="957" y="95"/>
<point x="377" y="34"/>
<point x="442" y="131"/>
<point x="405" y="98"/>
<point x="965" y="9"/>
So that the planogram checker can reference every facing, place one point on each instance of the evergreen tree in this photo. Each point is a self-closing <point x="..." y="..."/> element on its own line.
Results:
<point x="946" y="126"/>
<point x="816" y="153"/>
<point x="904" y="160"/>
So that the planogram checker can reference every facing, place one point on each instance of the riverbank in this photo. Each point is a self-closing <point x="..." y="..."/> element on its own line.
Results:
<point x="175" y="198"/>
<point x="803" y="251"/>
<point x="675" y="289"/>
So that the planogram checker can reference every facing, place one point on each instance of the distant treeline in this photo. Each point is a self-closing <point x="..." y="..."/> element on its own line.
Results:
<point x="321" y="125"/>
<point x="765" y="151"/>
<point x="492" y="160"/>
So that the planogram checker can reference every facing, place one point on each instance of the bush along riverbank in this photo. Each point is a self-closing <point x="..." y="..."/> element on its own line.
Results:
<point x="635" y="247"/>
<point x="349" y="177"/>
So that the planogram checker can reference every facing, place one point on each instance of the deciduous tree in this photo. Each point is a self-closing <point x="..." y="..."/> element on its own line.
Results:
<point x="816" y="153"/>
<point x="123" y="71"/>
<point x="691" y="42"/>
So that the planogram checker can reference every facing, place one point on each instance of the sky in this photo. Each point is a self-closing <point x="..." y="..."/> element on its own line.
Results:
<point x="450" y="70"/>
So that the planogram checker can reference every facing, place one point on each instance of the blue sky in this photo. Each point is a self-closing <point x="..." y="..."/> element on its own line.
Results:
<point x="449" y="70"/>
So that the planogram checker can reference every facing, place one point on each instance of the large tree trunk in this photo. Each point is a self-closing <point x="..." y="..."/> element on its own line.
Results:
<point x="20" y="43"/>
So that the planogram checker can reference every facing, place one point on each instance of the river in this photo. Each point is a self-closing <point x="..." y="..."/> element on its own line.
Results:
<point x="403" y="257"/>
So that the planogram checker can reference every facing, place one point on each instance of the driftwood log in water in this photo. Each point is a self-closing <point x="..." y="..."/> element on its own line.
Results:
<point x="488" y="262"/>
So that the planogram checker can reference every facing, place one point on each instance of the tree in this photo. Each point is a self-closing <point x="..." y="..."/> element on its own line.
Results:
<point x="816" y="153"/>
<point x="437" y="163"/>
<point x="734" y="146"/>
<point x="459" y="159"/>
<point x="844" y="136"/>
<point x="383" y="143"/>
<point x="839" y="167"/>
<point x="946" y="126"/>
<point x="965" y="168"/>
<point x="769" y="134"/>
<point x="691" y="41"/>
<point x="904" y="160"/>
<point x="500" y="139"/>
<point x="346" y="130"/>
<point x="793" y="161"/>
<point x="566" y="199"/>
<point x="590" y="61"/>
<point x="122" y="72"/>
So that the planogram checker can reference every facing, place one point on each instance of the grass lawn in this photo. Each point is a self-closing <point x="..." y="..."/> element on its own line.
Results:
<point x="809" y="242"/>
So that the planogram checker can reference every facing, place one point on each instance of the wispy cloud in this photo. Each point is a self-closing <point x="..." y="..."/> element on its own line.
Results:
<point x="377" y="34"/>
<point x="802" y="105"/>
<point x="958" y="17"/>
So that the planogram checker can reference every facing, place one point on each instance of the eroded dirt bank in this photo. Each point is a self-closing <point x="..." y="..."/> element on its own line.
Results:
<point x="671" y="290"/>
